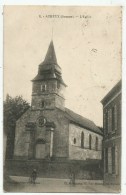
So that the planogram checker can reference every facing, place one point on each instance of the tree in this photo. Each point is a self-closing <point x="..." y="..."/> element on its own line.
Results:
<point x="13" y="109"/>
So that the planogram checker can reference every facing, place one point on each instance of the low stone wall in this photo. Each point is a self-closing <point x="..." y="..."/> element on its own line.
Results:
<point x="52" y="169"/>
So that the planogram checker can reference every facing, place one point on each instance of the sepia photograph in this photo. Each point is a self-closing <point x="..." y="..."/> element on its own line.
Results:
<point x="62" y="99"/>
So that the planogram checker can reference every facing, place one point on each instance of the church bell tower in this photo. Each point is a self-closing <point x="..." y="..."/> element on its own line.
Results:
<point x="48" y="85"/>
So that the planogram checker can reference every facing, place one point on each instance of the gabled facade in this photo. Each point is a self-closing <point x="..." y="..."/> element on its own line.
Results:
<point x="112" y="135"/>
<point x="49" y="132"/>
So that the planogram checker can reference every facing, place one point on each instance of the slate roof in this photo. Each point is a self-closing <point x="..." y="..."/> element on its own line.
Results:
<point x="112" y="92"/>
<point x="49" y="69"/>
<point x="50" y="57"/>
<point x="82" y="121"/>
<point x="78" y="120"/>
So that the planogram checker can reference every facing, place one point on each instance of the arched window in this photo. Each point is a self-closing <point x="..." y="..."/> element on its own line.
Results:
<point x="43" y="88"/>
<point x="42" y="104"/>
<point x="90" y="139"/>
<point x="96" y="144"/>
<point x="82" y="140"/>
<point x="74" y="140"/>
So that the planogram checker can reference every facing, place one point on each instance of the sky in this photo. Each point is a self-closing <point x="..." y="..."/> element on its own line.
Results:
<point x="87" y="43"/>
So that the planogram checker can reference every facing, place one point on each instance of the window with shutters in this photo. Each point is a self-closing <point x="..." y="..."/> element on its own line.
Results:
<point x="116" y="160"/>
<point x="108" y="121"/>
<point x="109" y="160"/>
<point x="106" y="160"/>
<point x="104" y="125"/>
<point x="119" y="117"/>
<point x="113" y="159"/>
<point x="114" y="118"/>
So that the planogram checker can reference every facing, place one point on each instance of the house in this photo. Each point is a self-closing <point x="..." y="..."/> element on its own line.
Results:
<point x="112" y="135"/>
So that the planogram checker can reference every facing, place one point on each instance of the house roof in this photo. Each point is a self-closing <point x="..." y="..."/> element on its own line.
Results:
<point x="82" y="121"/>
<point x="112" y="92"/>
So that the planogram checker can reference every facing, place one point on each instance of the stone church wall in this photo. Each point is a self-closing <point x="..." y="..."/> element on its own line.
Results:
<point x="60" y="137"/>
<point x="61" y="132"/>
<point x="75" y="149"/>
<point x="22" y="137"/>
<point x="54" y="169"/>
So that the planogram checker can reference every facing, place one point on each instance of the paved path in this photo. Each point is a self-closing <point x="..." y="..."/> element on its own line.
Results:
<point x="59" y="185"/>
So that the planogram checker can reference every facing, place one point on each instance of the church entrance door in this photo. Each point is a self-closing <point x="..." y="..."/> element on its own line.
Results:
<point x="40" y="151"/>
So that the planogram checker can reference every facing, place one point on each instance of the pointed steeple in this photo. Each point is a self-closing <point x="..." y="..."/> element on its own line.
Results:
<point x="49" y="69"/>
<point x="50" y="57"/>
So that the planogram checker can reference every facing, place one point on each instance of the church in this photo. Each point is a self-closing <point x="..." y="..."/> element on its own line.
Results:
<point x="51" y="137"/>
